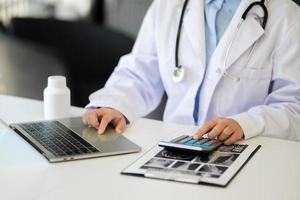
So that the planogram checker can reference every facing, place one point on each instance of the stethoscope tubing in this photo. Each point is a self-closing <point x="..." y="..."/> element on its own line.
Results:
<point x="179" y="33"/>
<point x="265" y="10"/>
<point x="243" y="18"/>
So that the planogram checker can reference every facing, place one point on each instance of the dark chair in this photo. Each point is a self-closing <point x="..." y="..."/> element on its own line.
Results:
<point x="297" y="1"/>
<point x="97" y="12"/>
<point x="2" y="28"/>
<point x="89" y="52"/>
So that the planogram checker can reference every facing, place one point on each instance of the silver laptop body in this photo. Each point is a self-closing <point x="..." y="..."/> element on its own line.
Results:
<point x="110" y="143"/>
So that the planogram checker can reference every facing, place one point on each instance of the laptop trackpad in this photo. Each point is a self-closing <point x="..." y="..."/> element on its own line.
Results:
<point x="110" y="141"/>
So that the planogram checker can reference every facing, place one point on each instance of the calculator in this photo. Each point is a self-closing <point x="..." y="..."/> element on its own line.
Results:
<point x="186" y="143"/>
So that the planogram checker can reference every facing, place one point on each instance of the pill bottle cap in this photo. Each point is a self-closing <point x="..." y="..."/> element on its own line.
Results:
<point x="57" y="81"/>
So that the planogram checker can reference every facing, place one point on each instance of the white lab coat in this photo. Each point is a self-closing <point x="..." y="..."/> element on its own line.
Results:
<point x="265" y="101"/>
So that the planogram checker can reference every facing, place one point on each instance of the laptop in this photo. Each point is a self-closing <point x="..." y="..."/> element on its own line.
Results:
<point x="69" y="139"/>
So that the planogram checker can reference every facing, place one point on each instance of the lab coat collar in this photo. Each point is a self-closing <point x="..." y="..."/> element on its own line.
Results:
<point x="249" y="32"/>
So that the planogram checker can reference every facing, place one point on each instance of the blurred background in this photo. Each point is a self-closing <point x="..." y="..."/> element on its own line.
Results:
<point x="80" y="39"/>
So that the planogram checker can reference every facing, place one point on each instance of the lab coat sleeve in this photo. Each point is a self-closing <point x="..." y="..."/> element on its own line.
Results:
<point x="280" y="115"/>
<point x="135" y="87"/>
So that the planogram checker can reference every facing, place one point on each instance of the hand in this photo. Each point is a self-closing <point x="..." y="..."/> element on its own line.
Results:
<point x="100" y="118"/>
<point x="224" y="129"/>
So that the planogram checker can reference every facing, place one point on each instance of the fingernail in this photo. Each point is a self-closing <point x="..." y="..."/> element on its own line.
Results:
<point x="118" y="130"/>
<point x="100" y="131"/>
<point x="196" y="137"/>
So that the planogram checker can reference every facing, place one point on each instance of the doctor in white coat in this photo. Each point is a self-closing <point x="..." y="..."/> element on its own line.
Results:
<point x="250" y="86"/>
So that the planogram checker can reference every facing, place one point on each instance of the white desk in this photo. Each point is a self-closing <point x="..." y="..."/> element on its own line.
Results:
<point x="273" y="173"/>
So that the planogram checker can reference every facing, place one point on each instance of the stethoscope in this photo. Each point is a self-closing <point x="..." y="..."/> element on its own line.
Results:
<point x="179" y="72"/>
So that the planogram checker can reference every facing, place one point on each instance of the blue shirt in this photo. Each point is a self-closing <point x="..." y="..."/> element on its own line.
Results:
<point x="218" y="14"/>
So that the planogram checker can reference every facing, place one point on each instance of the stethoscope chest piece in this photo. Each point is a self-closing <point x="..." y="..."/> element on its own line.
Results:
<point x="178" y="74"/>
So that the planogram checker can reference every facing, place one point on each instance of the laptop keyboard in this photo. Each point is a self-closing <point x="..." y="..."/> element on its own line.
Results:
<point x="58" y="139"/>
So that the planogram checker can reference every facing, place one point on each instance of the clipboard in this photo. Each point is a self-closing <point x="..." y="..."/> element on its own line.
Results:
<point x="216" y="168"/>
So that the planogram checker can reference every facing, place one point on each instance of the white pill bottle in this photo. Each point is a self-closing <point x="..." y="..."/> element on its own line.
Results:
<point x="57" y="100"/>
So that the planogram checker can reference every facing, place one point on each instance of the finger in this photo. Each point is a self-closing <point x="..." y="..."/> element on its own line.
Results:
<point x="227" y="132"/>
<point x="121" y="125"/>
<point x="94" y="120"/>
<point x="84" y="118"/>
<point x="236" y="136"/>
<point x="103" y="124"/>
<point x="88" y="118"/>
<point x="217" y="130"/>
<point x="205" y="128"/>
<point x="100" y="111"/>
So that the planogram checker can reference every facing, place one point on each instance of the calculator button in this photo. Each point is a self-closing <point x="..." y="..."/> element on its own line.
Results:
<point x="178" y="139"/>
<point x="211" y="142"/>
<point x="203" y="140"/>
<point x="183" y="141"/>
<point x="205" y="145"/>
<point x="198" y="144"/>
<point x="191" y="142"/>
